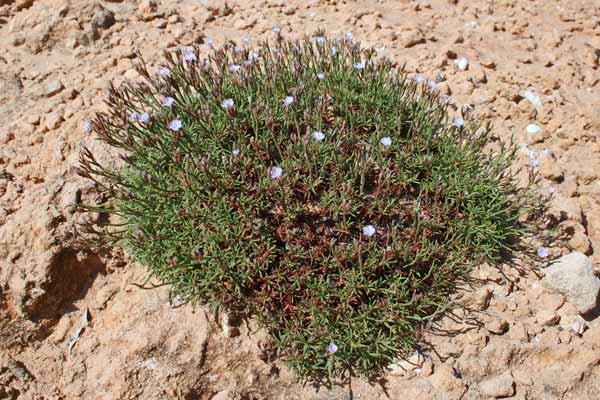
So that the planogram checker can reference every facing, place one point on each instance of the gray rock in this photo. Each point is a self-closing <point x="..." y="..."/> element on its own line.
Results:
<point x="573" y="276"/>
<point x="499" y="386"/>
<point x="103" y="18"/>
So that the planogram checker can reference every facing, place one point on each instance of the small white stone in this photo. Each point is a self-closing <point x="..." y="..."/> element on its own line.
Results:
<point x="462" y="63"/>
<point x="533" y="129"/>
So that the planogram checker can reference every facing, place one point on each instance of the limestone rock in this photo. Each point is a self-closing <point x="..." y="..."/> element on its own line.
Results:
<point x="499" y="386"/>
<point x="573" y="276"/>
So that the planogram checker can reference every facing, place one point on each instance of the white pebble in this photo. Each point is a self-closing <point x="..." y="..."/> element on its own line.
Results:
<point x="533" y="129"/>
<point x="462" y="63"/>
<point x="532" y="97"/>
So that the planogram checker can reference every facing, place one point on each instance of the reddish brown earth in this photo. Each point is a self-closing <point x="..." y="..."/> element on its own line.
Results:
<point x="56" y="60"/>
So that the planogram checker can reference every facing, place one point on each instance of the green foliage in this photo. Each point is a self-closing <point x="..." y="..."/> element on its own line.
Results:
<point x="291" y="250"/>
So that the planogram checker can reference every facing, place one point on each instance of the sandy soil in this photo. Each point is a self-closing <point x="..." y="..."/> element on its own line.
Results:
<point x="56" y="59"/>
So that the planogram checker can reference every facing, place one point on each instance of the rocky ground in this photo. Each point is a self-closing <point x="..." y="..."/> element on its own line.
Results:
<point x="76" y="325"/>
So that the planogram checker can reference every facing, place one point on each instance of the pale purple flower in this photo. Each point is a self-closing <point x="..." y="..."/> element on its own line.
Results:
<point x="237" y="49"/>
<point x="235" y="68"/>
<point x="432" y="85"/>
<point x="175" y="125"/>
<point x="236" y="152"/>
<point x="551" y="190"/>
<point x="533" y="162"/>
<point x="144" y="118"/>
<point x="246" y="40"/>
<point x="349" y="36"/>
<point x="276" y="172"/>
<point x="188" y="55"/>
<point x="247" y="62"/>
<point x="164" y="72"/>
<point x="320" y="75"/>
<point x="253" y="56"/>
<point x="288" y="101"/>
<point x="419" y="78"/>
<point x="320" y="39"/>
<point x="542" y="252"/>
<point x="332" y="348"/>
<point x="318" y="136"/>
<point x="445" y="99"/>
<point x="276" y="30"/>
<point x="227" y="103"/>
<point x="168" y="101"/>
<point x="359" y="66"/>
<point x="208" y="42"/>
<point x="87" y="126"/>
<point x="458" y="122"/>
<point x="368" y="230"/>
<point x="333" y="51"/>
<point x="133" y="117"/>
<point x="386" y="141"/>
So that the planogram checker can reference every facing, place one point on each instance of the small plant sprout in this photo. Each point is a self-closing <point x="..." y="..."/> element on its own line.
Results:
<point x="144" y="118"/>
<point x="458" y="122"/>
<point x="276" y="172"/>
<point x="359" y="66"/>
<point x="288" y="101"/>
<point x="332" y="348"/>
<point x="368" y="230"/>
<point x="164" y="72"/>
<point x="313" y="189"/>
<point x="175" y="125"/>
<point x="385" y="141"/>
<point x="318" y="136"/>
<point x="168" y="101"/>
<point x="227" y="103"/>
<point x="542" y="252"/>
<point x="87" y="126"/>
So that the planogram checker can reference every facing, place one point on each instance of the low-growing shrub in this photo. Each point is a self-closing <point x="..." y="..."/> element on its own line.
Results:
<point x="328" y="194"/>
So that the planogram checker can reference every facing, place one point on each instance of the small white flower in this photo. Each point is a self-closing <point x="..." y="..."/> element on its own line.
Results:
<point x="320" y="75"/>
<point x="144" y="118"/>
<point x="246" y="40"/>
<point x="368" y="230"/>
<point x="533" y="129"/>
<point x="419" y="78"/>
<point x="333" y="51"/>
<point x="276" y="30"/>
<point x="236" y="152"/>
<point x="532" y="98"/>
<point x="359" y="66"/>
<point x="349" y="36"/>
<point x="386" y="141"/>
<point x="542" y="252"/>
<point x="318" y="136"/>
<point x="551" y="190"/>
<point x="164" y="72"/>
<point x="288" y="101"/>
<point x="235" y="68"/>
<point x="533" y="162"/>
<point x="276" y="172"/>
<point x="87" y="126"/>
<point x="320" y="39"/>
<point x="227" y="103"/>
<point x="458" y="122"/>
